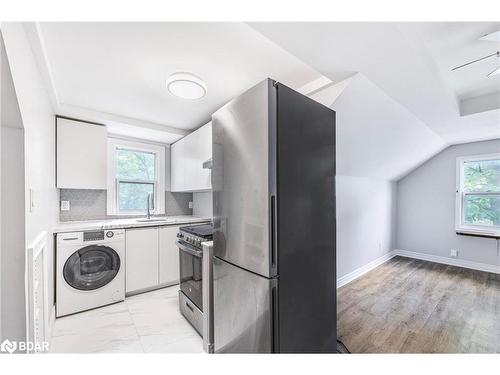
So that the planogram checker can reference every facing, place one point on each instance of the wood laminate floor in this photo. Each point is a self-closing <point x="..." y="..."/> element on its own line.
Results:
<point x="414" y="306"/>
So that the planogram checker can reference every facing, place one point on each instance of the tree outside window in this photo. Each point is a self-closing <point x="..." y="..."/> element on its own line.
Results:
<point x="481" y="192"/>
<point x="136" y="179"/>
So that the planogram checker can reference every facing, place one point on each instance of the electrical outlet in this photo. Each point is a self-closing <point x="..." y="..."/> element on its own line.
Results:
<point x="64" y="205"/>
<point x="190" y="204"/>
<point x="454" y="253"/>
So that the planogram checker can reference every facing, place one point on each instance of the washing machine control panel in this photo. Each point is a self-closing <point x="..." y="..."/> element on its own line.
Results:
<point x="95" y="235"/>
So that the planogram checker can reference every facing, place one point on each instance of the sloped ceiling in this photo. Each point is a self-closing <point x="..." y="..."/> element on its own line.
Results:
<point x="397" y="58"/>
<point x="376" y="136"/>
<point x="402" y="104"/>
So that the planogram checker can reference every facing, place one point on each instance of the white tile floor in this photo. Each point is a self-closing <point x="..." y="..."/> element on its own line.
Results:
<point x="146" y="323"/>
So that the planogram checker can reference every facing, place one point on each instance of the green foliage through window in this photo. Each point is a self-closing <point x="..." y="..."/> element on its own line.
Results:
<point x="135" y="165"/>
<point x="136" y="175"/>
<point x="482" y="192"/>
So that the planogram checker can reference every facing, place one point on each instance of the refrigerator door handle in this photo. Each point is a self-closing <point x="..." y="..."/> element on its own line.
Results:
<point x="273" y="231"/>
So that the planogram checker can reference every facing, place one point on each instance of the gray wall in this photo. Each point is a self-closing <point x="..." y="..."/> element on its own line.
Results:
<point x="12" y="209"/>
<point x="203" y="204"/>
<point x="426" y="208"/>
<point x="12" y="226"/>
<point x="366" y="211"/>
<point x="91" y="204"/>
<point x="12" y="244"/>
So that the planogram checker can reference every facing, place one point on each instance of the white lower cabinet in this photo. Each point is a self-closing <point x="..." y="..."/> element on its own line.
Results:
<point x="169" y="255"/>
<point x="141" y="259"/>
<point x="152" y="258"/>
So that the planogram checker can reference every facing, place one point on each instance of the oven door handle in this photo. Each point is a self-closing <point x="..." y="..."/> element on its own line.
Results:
<point x="189" y="250"/>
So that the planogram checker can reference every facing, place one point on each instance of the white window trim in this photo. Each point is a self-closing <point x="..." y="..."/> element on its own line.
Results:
<point x="460" y="227"/>
<point x="111" y="204"/>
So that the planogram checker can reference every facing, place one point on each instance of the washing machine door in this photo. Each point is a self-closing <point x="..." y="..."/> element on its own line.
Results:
<point x="91" y="267"/>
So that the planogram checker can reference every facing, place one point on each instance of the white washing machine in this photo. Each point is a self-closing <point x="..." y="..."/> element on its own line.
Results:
<point x="90" y="269"/>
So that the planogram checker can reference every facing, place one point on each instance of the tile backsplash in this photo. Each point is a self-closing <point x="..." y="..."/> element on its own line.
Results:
<point x="91" y="204"/>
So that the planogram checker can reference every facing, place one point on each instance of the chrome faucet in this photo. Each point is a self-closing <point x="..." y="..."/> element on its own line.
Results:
<point x="148" y="209"/>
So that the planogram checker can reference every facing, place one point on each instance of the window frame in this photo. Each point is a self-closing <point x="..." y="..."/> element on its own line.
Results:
<point x="112" y="181"/>
<point x="460" y="225"/>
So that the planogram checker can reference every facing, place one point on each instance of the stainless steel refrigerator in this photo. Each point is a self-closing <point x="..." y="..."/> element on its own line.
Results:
<point x="274" y="279"/>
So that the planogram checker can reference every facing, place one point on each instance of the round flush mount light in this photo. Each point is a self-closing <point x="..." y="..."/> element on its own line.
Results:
<point x="186" y="86"/>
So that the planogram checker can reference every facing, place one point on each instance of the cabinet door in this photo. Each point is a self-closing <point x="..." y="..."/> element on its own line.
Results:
<point x="81" y="155"/>
<point x="177" y="165"/>
<point x="187" y="158"/>
<point x="169" y="255"/>
<point x="200" y="152"/>
<point x="141" y="259"/>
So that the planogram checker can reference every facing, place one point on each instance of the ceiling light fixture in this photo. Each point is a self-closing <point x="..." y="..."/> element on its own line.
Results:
<point x="186" y="86"/>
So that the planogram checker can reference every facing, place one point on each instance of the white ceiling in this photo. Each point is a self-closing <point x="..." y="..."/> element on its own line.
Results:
<point x="120" y="69"/>
<point x="397" y="100"/>
<point x="406" y="62"/>
<point x="455" y="43"/>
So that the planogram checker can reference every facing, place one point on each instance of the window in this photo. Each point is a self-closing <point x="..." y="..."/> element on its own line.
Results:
<point x="135" y="172"/>
<point x="478" y="194"/>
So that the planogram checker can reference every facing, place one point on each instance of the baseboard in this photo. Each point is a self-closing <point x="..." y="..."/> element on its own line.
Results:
<point x="150" y="289"/>
<point x="346" y="279"/>
<point x="450" y="261"/>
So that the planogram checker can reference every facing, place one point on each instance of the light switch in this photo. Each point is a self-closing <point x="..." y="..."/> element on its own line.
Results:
<point x="64" y="205"/>
<point x="190" y="204"/>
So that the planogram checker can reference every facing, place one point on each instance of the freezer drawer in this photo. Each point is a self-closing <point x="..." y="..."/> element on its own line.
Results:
<point x="244" y="306"/>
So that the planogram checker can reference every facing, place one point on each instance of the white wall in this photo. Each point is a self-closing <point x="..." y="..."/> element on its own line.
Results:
<point x="366" y="210"/>
<point x="377" y="140"/>
<point x="39" y="131"/>
<point x="426" y="208"/>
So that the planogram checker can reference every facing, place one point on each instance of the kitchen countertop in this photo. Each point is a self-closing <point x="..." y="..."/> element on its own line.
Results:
<point x="77" y="226"/>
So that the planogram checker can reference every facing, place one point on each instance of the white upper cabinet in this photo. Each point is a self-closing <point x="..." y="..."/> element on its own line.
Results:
<point x="81" y="155"/>
<point x="187" y="157"/>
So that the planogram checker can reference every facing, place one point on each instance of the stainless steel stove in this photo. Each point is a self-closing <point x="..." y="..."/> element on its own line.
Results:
<point x="189" y="241"/>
